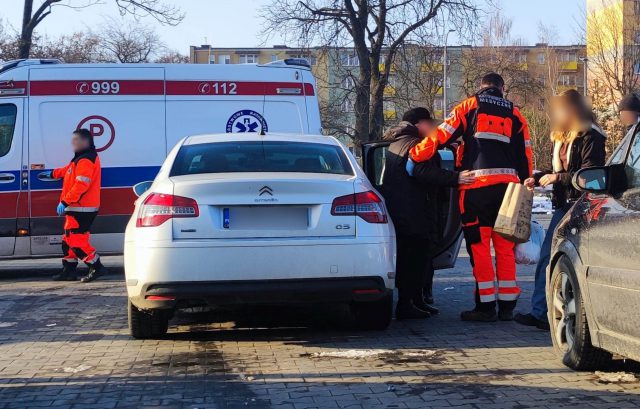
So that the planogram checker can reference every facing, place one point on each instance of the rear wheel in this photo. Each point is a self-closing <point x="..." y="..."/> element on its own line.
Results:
<point x="144" y="325"/>
<point x="373" y="315"/>
<point x="569" y="327"/>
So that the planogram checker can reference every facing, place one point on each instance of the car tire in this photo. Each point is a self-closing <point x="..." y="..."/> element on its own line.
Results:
<point x="568" y="321"/>
<point x="373" y="315"/>
<point x="144" y="325"/>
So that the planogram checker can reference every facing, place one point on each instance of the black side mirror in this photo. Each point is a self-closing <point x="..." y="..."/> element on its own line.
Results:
<point x="140" y="188"/>
<point x="601" y="179"/>
<point x="592" y="180"/>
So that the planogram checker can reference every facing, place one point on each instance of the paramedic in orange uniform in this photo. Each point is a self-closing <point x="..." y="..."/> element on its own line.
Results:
<point x="79" y="203"/>
<point x="494" y="144"/>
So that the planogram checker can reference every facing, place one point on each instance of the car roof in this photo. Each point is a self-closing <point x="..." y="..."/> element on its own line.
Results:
<point x="271" y="137"/>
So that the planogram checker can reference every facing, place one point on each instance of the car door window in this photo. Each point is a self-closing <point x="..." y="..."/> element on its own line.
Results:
<point x="7" y="124"/>
<point x="632" y="166"/>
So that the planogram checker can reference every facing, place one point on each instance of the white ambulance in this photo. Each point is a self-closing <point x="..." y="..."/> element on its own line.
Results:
<point x="137" y="113"/>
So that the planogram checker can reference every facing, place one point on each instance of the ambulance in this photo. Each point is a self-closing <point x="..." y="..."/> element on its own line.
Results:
<point x="136" y="113"/>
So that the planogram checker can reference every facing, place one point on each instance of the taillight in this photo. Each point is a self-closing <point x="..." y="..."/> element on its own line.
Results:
<point x="157" y="208"/>
<point x="366" y="205"/>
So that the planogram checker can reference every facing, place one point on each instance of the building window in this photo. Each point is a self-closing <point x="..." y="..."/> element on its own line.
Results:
<point x="212" y="59"/>
<point x="348" y="83"/>
<point x="248" y="58"/>
<point x="567" y="80"/>
<point x="274" y="57"/>
<point x="438" y="104"/>
<point x="569" y="56"/>
<point x="636" y="68"/>
<point x="224" y="59"/>
<point x="636" y="7"/>
<point x="347" y="105"/>
<point x="541" y="58"/>
<point x="521" y="58"/>
<point x="349" y="60"/>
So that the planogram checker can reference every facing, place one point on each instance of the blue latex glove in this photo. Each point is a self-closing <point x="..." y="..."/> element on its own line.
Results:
<point x="410" y="165"/>
<point x="60" y="209"/>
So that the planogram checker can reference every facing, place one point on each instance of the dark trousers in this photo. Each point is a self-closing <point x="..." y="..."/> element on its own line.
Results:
<point x="75" y="241"/>
<point x="412" y="264"/>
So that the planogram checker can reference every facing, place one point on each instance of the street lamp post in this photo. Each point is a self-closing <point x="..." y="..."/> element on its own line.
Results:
<point x="585" y="62"/>
<point x="444" y="73"/>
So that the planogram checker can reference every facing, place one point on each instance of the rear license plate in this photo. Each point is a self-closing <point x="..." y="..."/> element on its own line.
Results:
<point x="265" y="218"/>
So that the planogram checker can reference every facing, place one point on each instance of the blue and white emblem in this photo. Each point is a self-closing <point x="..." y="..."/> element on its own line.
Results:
<point x="246" y="121"/>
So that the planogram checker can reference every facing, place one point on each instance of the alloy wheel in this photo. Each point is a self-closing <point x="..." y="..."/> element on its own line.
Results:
<point x="563" y="313"/>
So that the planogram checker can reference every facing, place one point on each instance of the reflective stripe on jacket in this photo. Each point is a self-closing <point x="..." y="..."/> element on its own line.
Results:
<point x="81" y="182"/>
<point x="493" y="135"/>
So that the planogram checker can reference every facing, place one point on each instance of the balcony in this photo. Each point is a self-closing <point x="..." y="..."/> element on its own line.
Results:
<point x="389" y="91"/>
<point x="569" y="66"/>
<point x="390" y="115"/>
<point x="435" y="67"/>
<point x="392" y="70"/>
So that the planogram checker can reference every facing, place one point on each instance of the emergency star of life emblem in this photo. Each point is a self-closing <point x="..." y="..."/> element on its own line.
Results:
<point x="246" y="121"/>
<point x="101" y="129"/>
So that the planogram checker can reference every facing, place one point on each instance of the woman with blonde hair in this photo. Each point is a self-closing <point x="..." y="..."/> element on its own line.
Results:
<point x="578" y="143"/>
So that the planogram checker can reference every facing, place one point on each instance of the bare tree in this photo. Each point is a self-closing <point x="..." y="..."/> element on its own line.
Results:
<point x="613" y="55"/>
<point x="172" y="57"/>
<point x="128" y="43"/>
<point x="157" y="9"/>
<point x="374" y="30"/>
<point x="416" y="76"/>
<point x="79" y="47"/>
<point x="501" y="53"/>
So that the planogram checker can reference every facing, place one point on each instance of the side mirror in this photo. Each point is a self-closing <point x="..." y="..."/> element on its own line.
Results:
<point x="592" y="180"/>
<point x="140" y="188"/>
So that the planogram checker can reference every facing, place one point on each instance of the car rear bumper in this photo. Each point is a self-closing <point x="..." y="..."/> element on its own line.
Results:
<point x="267" y="292"/>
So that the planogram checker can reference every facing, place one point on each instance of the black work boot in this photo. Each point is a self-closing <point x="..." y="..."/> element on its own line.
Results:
<point x="96" y="269"/>
<point x="422" y="304"/>
<point x="406" y="310"/>
<point x="506" y="308"/>
<point x="479" y="316"/>
<point x="484" y="312"/>
<point x="69" y="272"/>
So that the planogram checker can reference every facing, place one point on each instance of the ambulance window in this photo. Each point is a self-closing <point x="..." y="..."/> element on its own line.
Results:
<point x="7" y="124"/>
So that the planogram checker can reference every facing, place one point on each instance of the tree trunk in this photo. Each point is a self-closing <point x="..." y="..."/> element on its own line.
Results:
<point x="363" y="95"/>
<point x="27" y="30"/>
<point x="376" y="115"/>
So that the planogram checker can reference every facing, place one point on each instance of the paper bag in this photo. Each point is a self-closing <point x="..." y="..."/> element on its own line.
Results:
<point x="514" y="219"/>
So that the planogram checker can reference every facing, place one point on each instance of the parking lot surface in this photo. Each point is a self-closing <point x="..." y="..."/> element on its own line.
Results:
<point x="66" y="345"/>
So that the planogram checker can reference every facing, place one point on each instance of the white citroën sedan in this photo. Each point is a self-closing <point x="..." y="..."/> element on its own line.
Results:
<point x="246" y="219"/>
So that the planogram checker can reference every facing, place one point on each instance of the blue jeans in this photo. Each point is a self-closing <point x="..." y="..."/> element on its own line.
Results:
<point x="539" y="298"/>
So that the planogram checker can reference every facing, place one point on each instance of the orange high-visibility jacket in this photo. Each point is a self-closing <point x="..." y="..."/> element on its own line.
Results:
<point x="81" y="182"/>
<point x="494" y="140"/>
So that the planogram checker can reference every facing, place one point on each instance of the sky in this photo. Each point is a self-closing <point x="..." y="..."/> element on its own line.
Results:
<point x="235" y="23"/>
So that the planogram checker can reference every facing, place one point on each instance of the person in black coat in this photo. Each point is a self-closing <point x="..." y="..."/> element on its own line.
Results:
<point x="412" y="202"/>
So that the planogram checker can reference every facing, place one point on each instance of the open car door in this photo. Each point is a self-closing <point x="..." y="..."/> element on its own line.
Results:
<point x="446" y="254"/>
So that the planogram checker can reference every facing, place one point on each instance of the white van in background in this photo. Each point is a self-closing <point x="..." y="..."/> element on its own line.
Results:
<point x="137" y="113"/>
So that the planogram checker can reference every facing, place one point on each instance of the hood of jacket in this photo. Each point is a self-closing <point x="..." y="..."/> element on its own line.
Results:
<point x="403" y="129"/>
<point x="491" y="91"/>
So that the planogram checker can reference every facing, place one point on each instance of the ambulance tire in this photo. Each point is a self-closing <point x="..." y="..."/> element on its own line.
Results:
<point x="373" y="315"/>
<point x="144" y="325"/>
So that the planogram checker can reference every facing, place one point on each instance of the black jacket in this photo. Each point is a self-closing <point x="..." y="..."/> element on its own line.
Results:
<point x="413" y="202"/>
<point x="586" y="150"/>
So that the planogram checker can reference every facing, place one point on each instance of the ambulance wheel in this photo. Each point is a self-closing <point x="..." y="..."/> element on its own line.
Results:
<point x="145" y="325"/>
<point x="568" y="319"/>
<point x="373" y="315"/>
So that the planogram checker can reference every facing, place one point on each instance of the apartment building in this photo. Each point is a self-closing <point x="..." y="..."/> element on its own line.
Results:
<point x="417" y="75"/>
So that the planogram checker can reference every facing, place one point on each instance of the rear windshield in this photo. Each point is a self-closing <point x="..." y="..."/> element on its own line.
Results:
<point x="256" y="156"/>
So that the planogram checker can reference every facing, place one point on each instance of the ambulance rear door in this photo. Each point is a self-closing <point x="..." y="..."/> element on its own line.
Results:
<point x="123" y="107"/>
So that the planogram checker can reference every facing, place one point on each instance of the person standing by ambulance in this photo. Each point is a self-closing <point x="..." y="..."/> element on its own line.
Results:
<point x="79" y="203"/>
<point x="412" y="202"/>
<point x="494" y="144"/>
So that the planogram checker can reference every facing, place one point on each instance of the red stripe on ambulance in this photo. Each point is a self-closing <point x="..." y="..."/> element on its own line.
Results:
<point x="214" y="88"/>
<point x="97" y="87"/>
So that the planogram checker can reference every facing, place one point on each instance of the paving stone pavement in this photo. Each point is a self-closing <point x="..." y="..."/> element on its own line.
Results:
<point x="66" y="345"/>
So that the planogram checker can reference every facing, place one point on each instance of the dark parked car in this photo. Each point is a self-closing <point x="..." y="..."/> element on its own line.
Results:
<point x="593" y="286"/>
